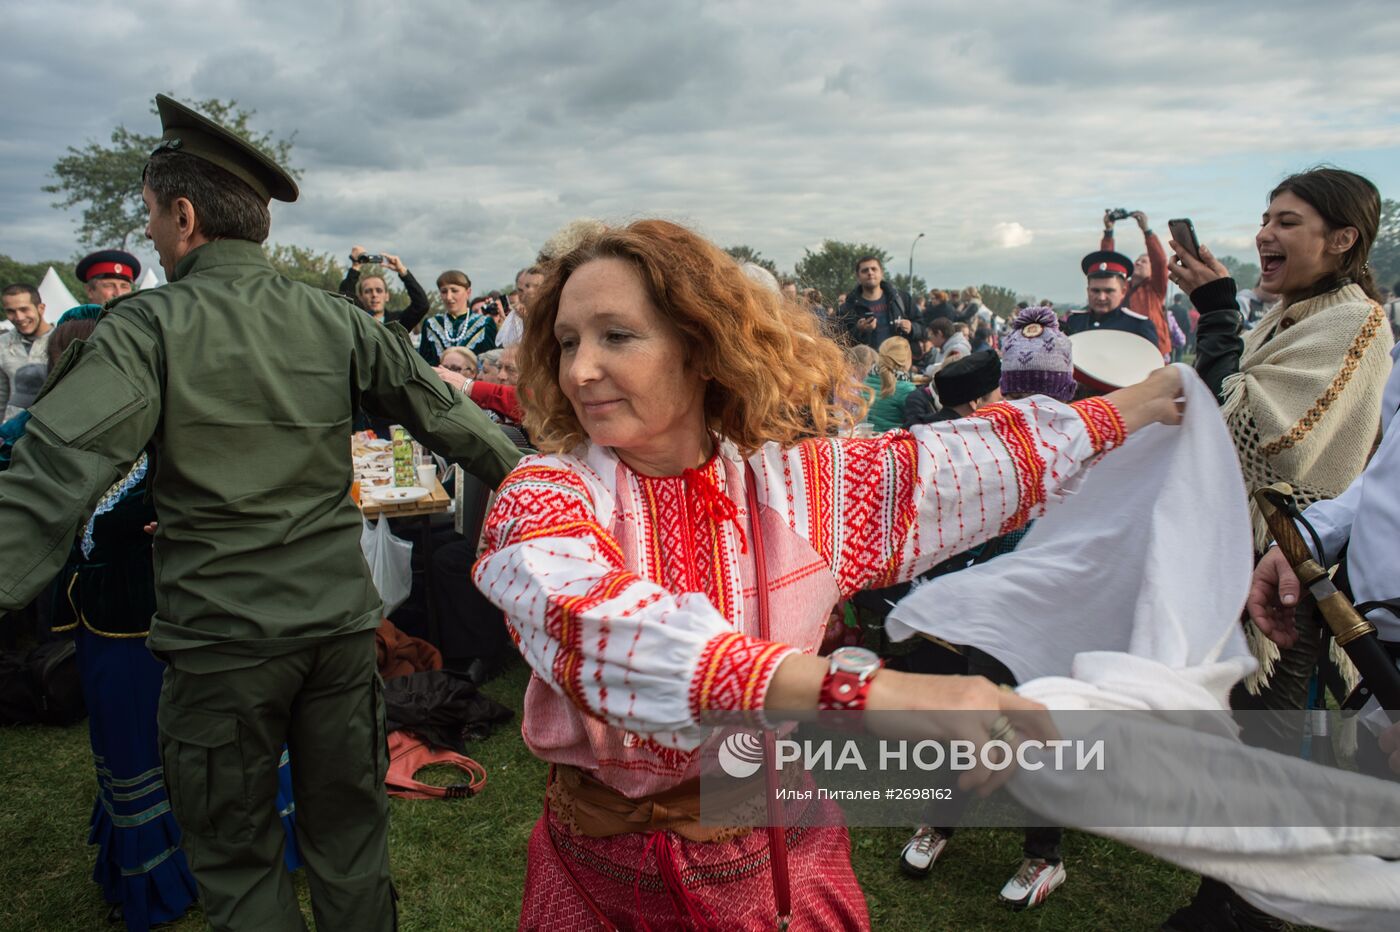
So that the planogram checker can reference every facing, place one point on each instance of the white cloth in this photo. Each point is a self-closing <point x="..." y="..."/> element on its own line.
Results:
<point x="511" y="331"/>
<point x="1178" y="507"/>
<point x="1332" y="877"/>
<point x="1139" y="611"/>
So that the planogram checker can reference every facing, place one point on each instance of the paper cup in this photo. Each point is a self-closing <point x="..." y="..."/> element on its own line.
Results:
<point x="426" y="475"/>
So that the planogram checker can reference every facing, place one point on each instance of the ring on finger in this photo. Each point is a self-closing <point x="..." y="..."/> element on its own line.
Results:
<point x="1002" y="729"/>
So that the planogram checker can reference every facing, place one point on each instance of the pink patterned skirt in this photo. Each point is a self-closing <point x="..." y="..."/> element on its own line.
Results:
<point x="728" y="884"/>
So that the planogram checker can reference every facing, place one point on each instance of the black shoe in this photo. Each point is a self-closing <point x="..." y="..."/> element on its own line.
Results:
<point x="1218" y="908"/>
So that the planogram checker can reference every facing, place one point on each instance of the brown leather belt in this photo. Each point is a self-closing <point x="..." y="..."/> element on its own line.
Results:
<point x="592" y="808"/>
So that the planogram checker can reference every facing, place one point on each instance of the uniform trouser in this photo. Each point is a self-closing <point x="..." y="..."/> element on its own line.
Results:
<point x="221" y="738"/>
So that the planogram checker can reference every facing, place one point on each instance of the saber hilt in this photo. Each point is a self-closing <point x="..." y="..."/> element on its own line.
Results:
<point x="1276" y="505"/>
<point x="1354" y="633"/>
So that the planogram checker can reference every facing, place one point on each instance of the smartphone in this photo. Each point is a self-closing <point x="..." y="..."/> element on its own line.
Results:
<point x="1184" y="235"/>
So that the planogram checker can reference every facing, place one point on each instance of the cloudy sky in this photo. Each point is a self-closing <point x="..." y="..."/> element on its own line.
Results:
<point x="460" y="134"/>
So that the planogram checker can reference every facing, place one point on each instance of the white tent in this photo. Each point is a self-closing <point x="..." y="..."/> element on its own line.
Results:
<point x="55" y="296"/>
<point x="148" y="280"/>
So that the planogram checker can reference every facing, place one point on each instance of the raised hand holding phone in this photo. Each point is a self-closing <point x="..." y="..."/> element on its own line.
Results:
<point x="1193" y="265"/>
<point x="1184" y="237"/>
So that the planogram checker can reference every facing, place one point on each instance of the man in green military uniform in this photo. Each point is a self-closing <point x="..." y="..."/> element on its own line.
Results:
<point x="243" y="384"/>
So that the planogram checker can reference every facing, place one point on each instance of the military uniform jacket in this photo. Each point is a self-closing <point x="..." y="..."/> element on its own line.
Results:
<point x="244" y="384"/>
<point x="1117" y="319"/>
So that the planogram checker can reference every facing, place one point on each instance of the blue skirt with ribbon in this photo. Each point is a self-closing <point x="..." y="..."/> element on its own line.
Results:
<point x="139" y="862"/>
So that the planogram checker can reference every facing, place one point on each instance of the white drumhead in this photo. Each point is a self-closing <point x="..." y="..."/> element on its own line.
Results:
<point x="1110" y="359"/>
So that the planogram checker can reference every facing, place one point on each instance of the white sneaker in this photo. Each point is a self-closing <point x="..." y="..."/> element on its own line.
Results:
<point x="1035" y="881"/>
<point x="922" y="850"/>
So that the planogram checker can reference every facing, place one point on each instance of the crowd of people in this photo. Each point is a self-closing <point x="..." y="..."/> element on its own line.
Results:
<point x="725" y="468"/>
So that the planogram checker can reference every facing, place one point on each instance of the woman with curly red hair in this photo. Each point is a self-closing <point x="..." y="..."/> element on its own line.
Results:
<point x="673" y="554"/>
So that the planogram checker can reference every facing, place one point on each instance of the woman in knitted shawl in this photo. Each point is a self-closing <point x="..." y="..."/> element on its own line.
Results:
<point x="1301" y="391"/>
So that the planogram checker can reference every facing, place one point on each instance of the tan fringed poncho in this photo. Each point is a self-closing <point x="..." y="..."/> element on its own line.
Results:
<point x="1305" y="406"/>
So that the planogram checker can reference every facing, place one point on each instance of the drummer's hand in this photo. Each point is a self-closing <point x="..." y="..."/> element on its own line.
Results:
<point x="455" y="379"/>
<point x="151" y="528"/>
<point x="1273" y="595"/>
<point x="1189" y="273"/>
<point x="1390" y="745"/>
<point x="956" y="707"/>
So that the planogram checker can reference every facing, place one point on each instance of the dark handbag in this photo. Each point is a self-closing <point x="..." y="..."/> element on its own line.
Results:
<point x="41" y="686"/>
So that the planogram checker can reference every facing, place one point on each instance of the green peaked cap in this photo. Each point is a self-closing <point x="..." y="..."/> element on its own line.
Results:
<point x="184" y="130"/>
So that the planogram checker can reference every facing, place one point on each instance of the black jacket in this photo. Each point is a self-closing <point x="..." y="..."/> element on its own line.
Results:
<point x="899" y="309"/>
<point x="1219" y="344"/>
<point x="919" y="408"/>
<point x="935" y="311"/>
<point x="1122" y="318"/>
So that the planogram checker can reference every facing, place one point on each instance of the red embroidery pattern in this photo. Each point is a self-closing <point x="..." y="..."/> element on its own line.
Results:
<point x="733" y="669"/>
<point x="877" y="506"/>
<point x="818" y="476"/>
<point x="1103" y="422"/>
<point x="542" y="501"/>
<point x="903" y="460"/>
<point x="1012" y="429"/>
<point x="583" y="528"/>
<point x="562" y="624"/>
<point x="687" y="547"/>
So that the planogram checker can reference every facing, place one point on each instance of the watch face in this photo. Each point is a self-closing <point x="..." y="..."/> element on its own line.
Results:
<point x="855" y="660"/>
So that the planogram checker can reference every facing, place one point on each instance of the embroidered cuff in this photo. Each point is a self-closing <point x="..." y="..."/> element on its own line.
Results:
<point x="1103" y="422"/>
<point x="734" y="673"/>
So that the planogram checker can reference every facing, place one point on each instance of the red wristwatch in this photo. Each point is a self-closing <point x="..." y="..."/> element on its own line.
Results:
<point x="847" y="682"/>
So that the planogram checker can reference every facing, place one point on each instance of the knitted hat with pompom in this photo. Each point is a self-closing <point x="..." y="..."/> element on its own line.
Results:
<point x="1036" y="358"/>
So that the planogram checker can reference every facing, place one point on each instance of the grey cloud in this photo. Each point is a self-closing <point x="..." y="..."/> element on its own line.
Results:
<point x="842" y="81"/>
<point x="462" y="134"/>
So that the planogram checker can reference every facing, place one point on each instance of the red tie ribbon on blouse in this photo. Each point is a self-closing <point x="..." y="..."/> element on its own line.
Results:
<point x="720" y="507"/>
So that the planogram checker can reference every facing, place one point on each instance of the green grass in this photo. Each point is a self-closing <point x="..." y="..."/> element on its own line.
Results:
<point x="461" y="864"/>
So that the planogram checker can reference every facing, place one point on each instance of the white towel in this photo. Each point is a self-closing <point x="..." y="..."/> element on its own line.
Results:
<point x="1151" y="556"/>
<point x="1127" y="596"/>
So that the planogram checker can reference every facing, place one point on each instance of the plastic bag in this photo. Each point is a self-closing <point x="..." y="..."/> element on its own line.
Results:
<point x="389" y="560"/>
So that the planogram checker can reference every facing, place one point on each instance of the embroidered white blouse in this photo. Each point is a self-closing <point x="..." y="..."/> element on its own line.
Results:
<point x="633" y="598"/>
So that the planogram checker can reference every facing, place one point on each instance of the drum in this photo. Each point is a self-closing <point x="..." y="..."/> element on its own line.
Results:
<point x="1106" y="360"/>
